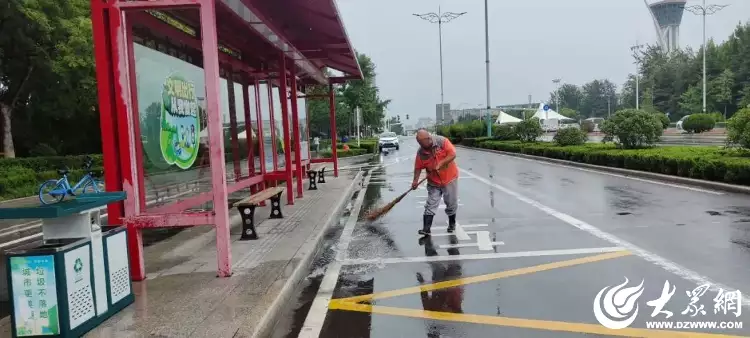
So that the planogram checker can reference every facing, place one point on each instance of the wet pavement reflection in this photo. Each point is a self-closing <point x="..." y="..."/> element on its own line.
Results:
<point x="535" y="245"/>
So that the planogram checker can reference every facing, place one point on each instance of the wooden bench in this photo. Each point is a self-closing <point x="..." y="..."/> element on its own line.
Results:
<point x="246" y="207"/>
<point x="316" y="174"/>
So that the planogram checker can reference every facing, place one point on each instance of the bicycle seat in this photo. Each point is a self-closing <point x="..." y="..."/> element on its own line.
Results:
<point x="62" y="171"/>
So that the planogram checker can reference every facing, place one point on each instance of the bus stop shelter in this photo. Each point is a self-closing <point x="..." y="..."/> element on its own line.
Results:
<point x="201" y="102"/>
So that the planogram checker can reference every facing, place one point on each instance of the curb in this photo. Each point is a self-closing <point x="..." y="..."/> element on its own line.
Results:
<point x="305" y="255"/>
<point x="627" y="172"/>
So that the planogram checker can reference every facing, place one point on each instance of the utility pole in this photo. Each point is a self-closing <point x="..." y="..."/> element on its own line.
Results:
<point x="440" y="18"/>
<point x="609" y="107"/>
<point x="636" y="55"/>
<point x="487" y="62"/>
<point x="557" y="94"/>
<point x="703" y="11"/>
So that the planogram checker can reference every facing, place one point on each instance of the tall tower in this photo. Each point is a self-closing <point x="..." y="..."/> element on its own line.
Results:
<point x="667" y="15"/>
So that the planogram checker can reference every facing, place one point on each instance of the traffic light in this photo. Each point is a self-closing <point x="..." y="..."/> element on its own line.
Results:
<point x="398" y="118"/>
<point x="407" y="116"/>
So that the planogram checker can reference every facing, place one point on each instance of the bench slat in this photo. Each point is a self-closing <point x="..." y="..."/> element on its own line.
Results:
<point x="260" y="196"/>
<point x="318" y="166"/>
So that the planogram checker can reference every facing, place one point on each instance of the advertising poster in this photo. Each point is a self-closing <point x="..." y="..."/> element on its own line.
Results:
<point x="180" y="126"/>
<point x="34" y="295"/>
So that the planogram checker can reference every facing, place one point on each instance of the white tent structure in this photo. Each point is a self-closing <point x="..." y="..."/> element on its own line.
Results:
<point x="505" y="118"/>
<point x="549" y="114"/>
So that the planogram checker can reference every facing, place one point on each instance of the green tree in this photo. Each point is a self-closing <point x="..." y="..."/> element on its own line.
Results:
<point x="599" y="98"/>
<point x="570" y="96"/>
<point x="47" y="73"/>
<point x="567" y="112"/>
<point x="691" y="101"/>
<point x="721" y="89"/>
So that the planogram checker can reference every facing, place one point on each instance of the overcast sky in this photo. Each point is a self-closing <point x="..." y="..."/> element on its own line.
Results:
<point x="531" y="43"/>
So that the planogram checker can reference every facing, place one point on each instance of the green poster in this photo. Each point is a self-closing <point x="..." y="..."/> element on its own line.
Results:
<point x="180" y="128"/>
<point x="34" y="295"/>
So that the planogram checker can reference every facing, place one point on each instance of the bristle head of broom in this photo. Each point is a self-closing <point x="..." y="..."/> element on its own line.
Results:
<point x="377" y="213"/>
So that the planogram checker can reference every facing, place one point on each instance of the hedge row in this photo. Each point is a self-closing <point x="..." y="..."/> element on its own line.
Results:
<point x="349" y="153"/>
<point x="49" y="163"/>
<point x="707" y="163"/>
<point x="16" y="182"/>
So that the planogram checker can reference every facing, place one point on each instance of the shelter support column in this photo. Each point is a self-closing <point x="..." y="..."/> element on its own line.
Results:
<point x="210" y="47"/>
<point x="288" y="164"/>
<point x="274" y="141"/>
<point x="248" y="130"/>
<point x="261" y="138"/>
<point x="296" y="132"/>
<point x="233" y="126"/>
<point x="334" y="134"/>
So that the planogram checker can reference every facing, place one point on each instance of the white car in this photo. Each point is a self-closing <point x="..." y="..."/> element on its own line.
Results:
<point x="679" y="124"/>
<point x="388" y="140"/>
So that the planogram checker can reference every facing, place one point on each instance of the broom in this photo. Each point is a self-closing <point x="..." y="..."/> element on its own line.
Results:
<point x="377" y="213"/>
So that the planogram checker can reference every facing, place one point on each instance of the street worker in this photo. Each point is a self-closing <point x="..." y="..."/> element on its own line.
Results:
<point x="436" y="156"/>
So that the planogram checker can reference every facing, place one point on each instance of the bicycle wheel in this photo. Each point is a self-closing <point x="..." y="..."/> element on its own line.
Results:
<point x="93" y="187"/>
<point x="51" y="192"/>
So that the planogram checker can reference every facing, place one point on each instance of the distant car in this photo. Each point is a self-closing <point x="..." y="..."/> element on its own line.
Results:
<point x="679" y="124"/>
<point x="388" y="140"/>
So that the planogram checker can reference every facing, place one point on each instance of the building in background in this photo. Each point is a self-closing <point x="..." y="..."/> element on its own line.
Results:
<point x="667" y="16"/>
<point x="425" y="122"/>
<point x="439" y="118"/>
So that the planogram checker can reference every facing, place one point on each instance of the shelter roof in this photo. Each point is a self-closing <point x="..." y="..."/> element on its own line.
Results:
<point x="253" y="34"/>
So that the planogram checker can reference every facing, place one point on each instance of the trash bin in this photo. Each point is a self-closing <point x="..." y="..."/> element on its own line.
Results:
<point x="75" y="277"/>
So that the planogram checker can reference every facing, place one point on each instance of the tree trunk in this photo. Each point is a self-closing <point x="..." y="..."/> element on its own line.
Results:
<point x="9" y="151"/>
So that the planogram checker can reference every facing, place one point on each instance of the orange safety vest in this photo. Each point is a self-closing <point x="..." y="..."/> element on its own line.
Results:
<point x="441" y="148"/>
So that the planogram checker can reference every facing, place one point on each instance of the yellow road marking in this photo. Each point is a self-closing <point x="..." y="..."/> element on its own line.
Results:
<point x="520" y="323"/>
<point x="481" y="278"/>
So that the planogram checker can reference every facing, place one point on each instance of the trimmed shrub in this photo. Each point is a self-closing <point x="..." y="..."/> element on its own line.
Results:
<point x="341" y="154"/>
<point x="504" y="132"/>
<point x="664" y="119"/>
<point x="570" y="137"/>
<point x="528" y="130"/>
<point x="698" y="123"/>
<point x="587" y="126"/>
<point x="632" y="128"/>
<point x="738" y="129"/>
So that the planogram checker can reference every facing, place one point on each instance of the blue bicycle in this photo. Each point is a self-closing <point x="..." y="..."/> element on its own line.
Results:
<point x="54" y="191"/>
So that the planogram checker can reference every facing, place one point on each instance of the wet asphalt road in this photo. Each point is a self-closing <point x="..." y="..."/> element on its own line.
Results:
<point x="537" y="243"/>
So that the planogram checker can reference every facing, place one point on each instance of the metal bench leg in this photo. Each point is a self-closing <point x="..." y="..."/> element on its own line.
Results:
<point x="321" y="176"/>
<point x="276" y="206"/>
<point x="312" y="175"/>
<point x="248" y="223"/>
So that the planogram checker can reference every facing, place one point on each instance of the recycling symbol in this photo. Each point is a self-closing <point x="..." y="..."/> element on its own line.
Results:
<point x="78" y="265"/>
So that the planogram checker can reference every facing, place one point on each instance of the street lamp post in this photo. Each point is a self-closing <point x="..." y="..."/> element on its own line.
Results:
<point x="440" y="18"/>
<point x="703" y="11"/>
<point x="557" y="95"/>
<point x="636" y="52"/>
<point x="487" y="62"/>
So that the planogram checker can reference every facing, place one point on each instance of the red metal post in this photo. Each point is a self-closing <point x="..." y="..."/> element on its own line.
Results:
<point x="259" y="125"/>
<point x="295" y="131"/>
<point x="248" y="129"/>
<point x="216" y="137"/>
<point x="272" y="122"/>
<point x="107" y="116"/>
<point x="334" y="134"/>
<point x="288" y="165"/>
<point x="233" y="126"/>
<point x="141" y="185"/>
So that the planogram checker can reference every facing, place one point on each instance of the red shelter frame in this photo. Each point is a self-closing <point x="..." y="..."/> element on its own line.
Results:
<point x="311" y="41"/>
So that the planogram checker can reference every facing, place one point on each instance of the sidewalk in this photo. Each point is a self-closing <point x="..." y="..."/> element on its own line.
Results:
<point x="182" y="297"/>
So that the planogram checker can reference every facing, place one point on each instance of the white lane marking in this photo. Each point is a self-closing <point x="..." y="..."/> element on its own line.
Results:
<point x="680" y="186"/>
<point x="664" y="263"/>
<point x="539" y="253"/>
<point x="442" y="206"/>
<point x="463" y="226"/>
<point x="319" y="309"/>
<point x="461" y="233"/>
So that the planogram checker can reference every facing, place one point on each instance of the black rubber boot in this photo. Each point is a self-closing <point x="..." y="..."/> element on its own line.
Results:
<point x="451" y="223"/>
<point x="426" y="225"/>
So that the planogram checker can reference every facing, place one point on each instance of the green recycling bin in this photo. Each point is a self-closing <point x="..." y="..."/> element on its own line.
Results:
<point x="76" y="277"/>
